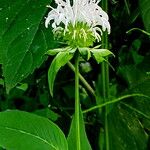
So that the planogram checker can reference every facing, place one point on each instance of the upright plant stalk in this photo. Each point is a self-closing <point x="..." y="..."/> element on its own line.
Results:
<point x="82" y="79"/>
<point x="77" y="101"/>
<point x="105" y="79"/>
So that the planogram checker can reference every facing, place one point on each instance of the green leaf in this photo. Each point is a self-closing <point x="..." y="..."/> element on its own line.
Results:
<point x="57" y="50"/>
<point x="125" y="130"/>
<point x="85" y="53"/>
<point x="24" y="131"/>
<point x="85" y="145"/>
<point x="23" y="42"/>
<point x="47" y="113"/>
<point x="100" y="54"/>
<point x="138" y="81"/>
<point x="0" y="51"/>
<point x="1" y="82"/>
<point x="23" y="86"/>
<point x="136" y="78"/>
<point x="60" y="60"/>
<point x="145" y="12"/>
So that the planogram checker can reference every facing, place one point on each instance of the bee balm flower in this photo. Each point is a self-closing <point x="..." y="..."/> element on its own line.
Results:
<point x="80" y="24"/>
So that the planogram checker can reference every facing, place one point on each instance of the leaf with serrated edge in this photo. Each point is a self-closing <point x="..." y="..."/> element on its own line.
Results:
<point x="23" y="42"/>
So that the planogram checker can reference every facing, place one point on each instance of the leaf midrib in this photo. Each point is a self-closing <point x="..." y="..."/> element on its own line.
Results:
<point x="29" y="134"/>
<point x="28" y="48"/>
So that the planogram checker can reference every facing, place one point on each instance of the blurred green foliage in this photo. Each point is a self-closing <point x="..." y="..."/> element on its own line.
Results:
<point x="24" y="68"/>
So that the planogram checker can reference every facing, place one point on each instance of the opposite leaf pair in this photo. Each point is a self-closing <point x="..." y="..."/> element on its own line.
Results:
<point x="64" y="55"/>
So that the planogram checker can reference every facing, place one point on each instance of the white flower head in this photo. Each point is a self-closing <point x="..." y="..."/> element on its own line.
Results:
<point x="84" y="19"/>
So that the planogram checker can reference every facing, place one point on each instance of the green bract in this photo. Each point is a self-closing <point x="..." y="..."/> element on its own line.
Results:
<point x="64" y="55"/>
<point x="78" y="35"/>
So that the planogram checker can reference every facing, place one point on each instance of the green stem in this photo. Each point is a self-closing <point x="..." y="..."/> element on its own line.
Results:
<point x="77" y="101"/>
<point x="114" y="101"/>
<point x="105" y="79"/>
<point x="85" y="83"/>
<point x="105" y="92"/>
<point x="138" y="29"/>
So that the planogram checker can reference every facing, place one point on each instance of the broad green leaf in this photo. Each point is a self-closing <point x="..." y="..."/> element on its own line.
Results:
<point x="60" y="60"/>
<point x="138" y="81"/>
<point x="139" y="112"/>
<point x="125" y="130"/>
<point x="22" y="38"/>
<point x="24" y="131"/>
<point x="145" y="12"/>
<point x="100" y="54"/>
<point x="72" y="143"/>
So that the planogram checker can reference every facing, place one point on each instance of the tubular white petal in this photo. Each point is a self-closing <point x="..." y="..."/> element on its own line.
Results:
<point x="86" y="11"/>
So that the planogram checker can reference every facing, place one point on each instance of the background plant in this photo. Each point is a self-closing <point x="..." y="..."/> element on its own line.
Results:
<point x="25" y="71"/>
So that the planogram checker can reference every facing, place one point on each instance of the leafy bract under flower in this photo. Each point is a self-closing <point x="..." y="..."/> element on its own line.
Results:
<point x="79" y="35"/>
<point x="81" y="23"/>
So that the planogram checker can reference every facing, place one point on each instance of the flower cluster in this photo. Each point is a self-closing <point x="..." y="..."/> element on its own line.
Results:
<point x="81" y="23"/>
